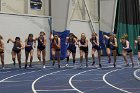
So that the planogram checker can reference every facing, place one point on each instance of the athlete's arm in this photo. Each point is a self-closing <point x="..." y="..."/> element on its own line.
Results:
<point x="10" y="40"/>
<point x="115" y="45"/>
<point x="127" y="45"/>
<point x="22" y="46"/>
<point x="26" y="45"/>
<point x="2" y="47"/>
<point x="67" y="38"/>
<point x="97" y="41"/>
<point x="45" y="41"/>
<point x="105" y="36"/>
<point x="59" y="42"/>
<point x="135" y="44"/>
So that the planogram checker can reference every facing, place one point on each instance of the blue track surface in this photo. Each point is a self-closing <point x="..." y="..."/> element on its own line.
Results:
<point x="70" y="79"/>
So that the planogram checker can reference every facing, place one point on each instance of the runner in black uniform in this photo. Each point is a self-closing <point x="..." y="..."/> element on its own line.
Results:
<point x="111" y="45"/>
<point x="137" y="43"/>
<point x="83" y="45"/>
<point x="16" y="50"/>
<point x="71" y="42"/>
<point x="29" y="42"/>
<point x="95" y="46"/>
<point x="41" y="48"/>
<point x="2" y="51"/>
<point x="126" y="49"/>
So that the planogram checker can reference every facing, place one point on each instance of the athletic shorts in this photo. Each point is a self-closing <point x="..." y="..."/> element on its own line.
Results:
<point x="96" y="47"/>
<point x="129" y="50"/>
<point x="28" y="49"/>
<point x="111" y="47"/>
<point x="84" y="49"/>
<point x="72" y="49"/>
<point x="16" y="50"/>
<point x="41" y="48"/>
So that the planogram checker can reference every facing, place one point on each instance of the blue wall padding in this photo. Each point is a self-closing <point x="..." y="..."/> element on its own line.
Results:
<point x="102" y="40"/>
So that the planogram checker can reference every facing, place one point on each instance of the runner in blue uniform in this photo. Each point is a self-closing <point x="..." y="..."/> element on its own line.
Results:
<point x="95" y="46"/>
<point x="71" y="42"/>
<point x="29" y="42"/>
<point x="83" y="45"/>
<point x="137" y="43"/>
<point x="111" y="45"/>
<point x="16" y="50"/>
<point x="41" y="48"/>
<point x="126" y="49"/>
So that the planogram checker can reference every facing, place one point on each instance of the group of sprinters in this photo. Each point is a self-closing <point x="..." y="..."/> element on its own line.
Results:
<point x="71" y="41"/>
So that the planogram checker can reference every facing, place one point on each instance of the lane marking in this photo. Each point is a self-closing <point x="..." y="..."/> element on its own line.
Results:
<point x="33" y="84"/>
<point x="135" y="74"/>
<point x="17" y="81"/>
<point x="70" y="80"/>
<point x="86" y="80"/>
<point x="104" y="79"/>
<point x="20" y="75"/>
<point x="55" y="90"/>
<point x="17" y="75"/>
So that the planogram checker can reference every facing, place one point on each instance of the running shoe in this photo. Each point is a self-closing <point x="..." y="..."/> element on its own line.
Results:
<point x="133" y="65"/>
<point x="44" y="66"/>
<point x="66" y="65"/>
<point x="100" y="65"/>
<point x="93" y="63"/>
<point x="53" y="64"/>
<point x="109" y="61"/>
<point x="58" y="65"/>
<point x="86" y="64"/>
<point x="127" y="65"/>
<point x="30" y="66"/>
<point x="25" y="66"/>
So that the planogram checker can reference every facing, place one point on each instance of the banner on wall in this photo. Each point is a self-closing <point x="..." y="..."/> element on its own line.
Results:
<point x="36" y="4"/>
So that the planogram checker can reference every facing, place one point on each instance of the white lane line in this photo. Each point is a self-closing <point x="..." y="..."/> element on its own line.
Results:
<point x="86" y="80"/>
<point x="18" y="75"/>
<point x="17" y="81"/>
<point x="70" y="80"/>
<point x="12" y="70"/>
<point x="5" y="72"/>
<point x="10" y="81"/>
<point x="104" y="79"/>
<point x="135" y="74"/>
<point x="55" y="90"/>
<point x="33" y="84"/>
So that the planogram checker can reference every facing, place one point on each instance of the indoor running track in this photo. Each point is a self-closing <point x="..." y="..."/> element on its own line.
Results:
<point x="71" y="79"/>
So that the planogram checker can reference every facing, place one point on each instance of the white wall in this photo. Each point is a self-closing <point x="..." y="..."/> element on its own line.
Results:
<point x="23" y="7"/>
<point x="107" y="14"/>
<point x="60" y="14"/>
<point x="19" y="25"/>
<point x="13" y="6"/>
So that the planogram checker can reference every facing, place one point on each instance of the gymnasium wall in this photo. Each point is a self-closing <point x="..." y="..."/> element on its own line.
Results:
<point x="60" y="14"/>
<point x="13" y="6"/>
<point x="23" y="7"/>
<point x="21" y="25"/>
<point x="107" y="13"/>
